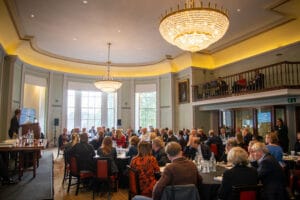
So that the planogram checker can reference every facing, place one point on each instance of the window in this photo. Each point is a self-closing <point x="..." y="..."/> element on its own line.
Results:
<point x="145" y="106"/>
<point x="71" y="109"/>
<point x="264" y="121"/>
<point x="89" y="108"/>
<point x="244" y="118"/>
<point x="111" y="111"/>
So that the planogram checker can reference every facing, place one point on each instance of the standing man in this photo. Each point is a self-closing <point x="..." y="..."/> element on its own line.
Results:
<point x="14" y="124"/>
<point x="282" y="133"/>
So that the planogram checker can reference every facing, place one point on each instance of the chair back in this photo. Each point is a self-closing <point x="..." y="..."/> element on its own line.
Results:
<point x="103" y="168"/>
<point x="214" y="149"/>
<point x="73" y="166"/>
<point x="134" y="184"/>
<point x="180" y="192"/>
<point x="246" y="192"/>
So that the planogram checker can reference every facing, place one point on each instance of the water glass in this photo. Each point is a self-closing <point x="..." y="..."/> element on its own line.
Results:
<point x="292" y="153"/>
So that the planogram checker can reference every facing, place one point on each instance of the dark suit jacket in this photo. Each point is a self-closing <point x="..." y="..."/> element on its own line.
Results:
<point x="180" y="172"/>
<point x="238" y="175"/>
<point x="283" y="137"/>
<point x="14" y="126"/>
<point x="271" y="175"/>
<point x="132" y="152"/>
<point x="84" y="153"/>
<point x="161" y="157"/>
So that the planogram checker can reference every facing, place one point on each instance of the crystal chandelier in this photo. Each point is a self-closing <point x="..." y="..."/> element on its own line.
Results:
<point x="194" y="27"/>
<point x="108" y="85"/>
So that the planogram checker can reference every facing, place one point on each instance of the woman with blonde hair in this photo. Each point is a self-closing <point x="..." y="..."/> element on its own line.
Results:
<point x="74" y="140"/>
<point x="108" y="151"/>
<point x="147" y="166"/>
<point x="120" y="138"/>
<point x="240" y="174"/>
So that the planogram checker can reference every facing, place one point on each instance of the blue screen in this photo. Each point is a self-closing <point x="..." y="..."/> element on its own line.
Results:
<point x="264" y="117"/>
<point x="27" y="116"/>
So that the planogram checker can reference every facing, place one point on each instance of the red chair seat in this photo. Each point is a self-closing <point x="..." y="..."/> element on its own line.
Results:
<point x="86" y="174"/>
<point x="248" y="195"/>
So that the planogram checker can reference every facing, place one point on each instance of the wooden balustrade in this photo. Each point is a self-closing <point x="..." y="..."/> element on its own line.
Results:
<point x="277" y="76"/>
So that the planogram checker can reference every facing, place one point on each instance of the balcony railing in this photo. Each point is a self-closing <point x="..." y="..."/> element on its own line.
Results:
<point x="271" y="77"/>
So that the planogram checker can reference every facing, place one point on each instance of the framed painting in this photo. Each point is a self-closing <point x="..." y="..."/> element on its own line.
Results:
<point x="183" y="91"/>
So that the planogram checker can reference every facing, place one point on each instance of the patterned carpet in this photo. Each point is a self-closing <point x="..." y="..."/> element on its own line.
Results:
<point x="38" y="188"/>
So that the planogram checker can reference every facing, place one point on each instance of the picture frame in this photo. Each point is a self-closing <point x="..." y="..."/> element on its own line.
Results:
<point x="183" y="91"/>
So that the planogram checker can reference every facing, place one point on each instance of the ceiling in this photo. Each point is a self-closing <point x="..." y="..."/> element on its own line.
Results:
<point x="79" y="30"/>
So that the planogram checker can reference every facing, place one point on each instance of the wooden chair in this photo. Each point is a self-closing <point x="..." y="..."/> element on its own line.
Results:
<point x="66" y="166"/>
<point x="246" y="192"/>
<point x="134" y="184"/>
<point x="75" y="173"/>
<point x="104" y="175"/>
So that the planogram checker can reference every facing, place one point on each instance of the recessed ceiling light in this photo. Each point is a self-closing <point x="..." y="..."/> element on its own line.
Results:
<point x="85" y="2"/>
<point x="239" y="10"/>
<point x="119" y="31"/>
<point x="74" y="38"/>
<point x="32" y="16"/>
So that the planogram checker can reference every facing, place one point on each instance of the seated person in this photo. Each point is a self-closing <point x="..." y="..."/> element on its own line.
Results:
<point x="201" y="135"/>
<point x="67" y="151"/>
<point x="240" y="84"/>
<point x="231" y="142"/>
<point x="247" y="136"/>
<point x="85" y="153"/>
<point x="270" y="173"/>
<point x="97" y="142"/>
<point x="214" y="139"/>
<point x="259" y="80"/>
<point x="240" y="174"/>
<point x="133" y="143"/>
<point x="202" y="150"/>
<point x="171" y="136"/>
<point x="63" y="139"/>
<point x="191" y="145"/>
<point x="221" y="87"/>
<point x="257" y="83"/>
<point x="92" y="132"/>
<point x="180" y="172"/>
<point x="158" y="151"/>
<point x="108" y="151"/>
<point x="181" y="139"/>
<point x="297" y="143"/>
<point x="147" y="166"/>
<point x="120" y="138"/>
<point x="274" y="149"/>
<point x="240" y="140"/>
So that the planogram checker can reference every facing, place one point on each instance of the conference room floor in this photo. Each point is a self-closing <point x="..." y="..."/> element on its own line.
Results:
<point x="60" y="191"/>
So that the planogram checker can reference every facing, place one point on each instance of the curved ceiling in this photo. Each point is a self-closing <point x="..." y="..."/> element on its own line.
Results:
<point x="74" y="33"/>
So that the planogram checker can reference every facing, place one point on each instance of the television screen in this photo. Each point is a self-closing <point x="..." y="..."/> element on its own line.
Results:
<point x="27" y="116"/>
<point x="264" y="117"/>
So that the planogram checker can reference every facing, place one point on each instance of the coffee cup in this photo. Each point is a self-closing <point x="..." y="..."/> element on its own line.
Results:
<point x="292" y="153"/>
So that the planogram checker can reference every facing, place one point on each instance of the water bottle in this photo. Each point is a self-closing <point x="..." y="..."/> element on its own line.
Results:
<point x="213" y="162"/>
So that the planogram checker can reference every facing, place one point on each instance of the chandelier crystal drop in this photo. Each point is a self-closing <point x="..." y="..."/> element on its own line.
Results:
<point x="108" y="85"/>
<point x="194" y="27"/>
